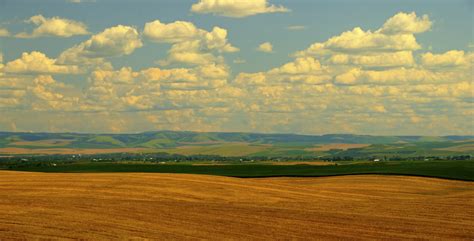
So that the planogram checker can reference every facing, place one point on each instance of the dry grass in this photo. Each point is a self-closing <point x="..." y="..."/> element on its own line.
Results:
<point x="459" y="148"/>
<point x="340" y="146"/>
<point x="179" y="206"/>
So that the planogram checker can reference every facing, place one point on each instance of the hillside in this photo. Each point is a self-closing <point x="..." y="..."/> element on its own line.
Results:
<point x="235" y="144"/>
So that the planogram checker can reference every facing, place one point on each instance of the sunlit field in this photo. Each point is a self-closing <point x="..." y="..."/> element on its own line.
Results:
<point x="182" y="206"/>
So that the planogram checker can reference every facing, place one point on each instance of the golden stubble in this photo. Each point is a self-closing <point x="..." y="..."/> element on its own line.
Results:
<point x="184" y="206"/>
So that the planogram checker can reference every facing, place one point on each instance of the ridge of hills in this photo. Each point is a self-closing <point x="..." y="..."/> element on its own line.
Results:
<point x="245" y="144"/>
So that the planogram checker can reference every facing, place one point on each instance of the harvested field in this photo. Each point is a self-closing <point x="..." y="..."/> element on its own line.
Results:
<point x="181" y="206"/>
<point x="339" y="146"/>
<point x="459" y="148"/>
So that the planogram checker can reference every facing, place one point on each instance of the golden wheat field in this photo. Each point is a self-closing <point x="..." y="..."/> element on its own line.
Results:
<point x="180" y="206"/>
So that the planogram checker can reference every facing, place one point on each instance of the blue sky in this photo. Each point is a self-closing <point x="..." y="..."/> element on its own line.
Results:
<point x="438" y="58"/>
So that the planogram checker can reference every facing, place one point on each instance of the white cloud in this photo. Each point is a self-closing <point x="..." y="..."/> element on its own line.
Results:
<point x="397" y="76"/>
<point x="236" y="8"/>
<point x="4" y="32"/>
<point x="358" y="40"/>
<point x="172" y="32"/>
<point x="181" y="31"/>
<point x="347" y="83"/>
<point x="123" y="76"/>
<point x="406" y="23"/>
<point x="115" y="41"/>
<point x="305" y="70"/>
<point x="37" y="62"/>
<point x="374" y="59"/>
<point x="358" y="76"/>
<point x="191" y="45"/>
<point x="305" y="65"/>
<point x="155" y="88"/>
<point x="452" y="58"/>
<point x="397" y="34"/>
<point x="265" y="47"/>
<point x="36" y="93"/>
<point x="55" y="26"/>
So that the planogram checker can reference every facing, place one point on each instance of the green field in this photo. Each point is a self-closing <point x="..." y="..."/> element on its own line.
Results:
<point x="461" y="170"/>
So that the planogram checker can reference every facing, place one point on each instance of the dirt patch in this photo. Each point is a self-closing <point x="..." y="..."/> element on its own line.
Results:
<point x="179" y="206"/>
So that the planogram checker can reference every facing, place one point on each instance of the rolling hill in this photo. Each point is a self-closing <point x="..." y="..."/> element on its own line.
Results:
<point x="236" y="144"/>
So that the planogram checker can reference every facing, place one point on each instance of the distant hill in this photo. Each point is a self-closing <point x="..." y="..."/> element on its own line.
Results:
<point x="230" y="143"/>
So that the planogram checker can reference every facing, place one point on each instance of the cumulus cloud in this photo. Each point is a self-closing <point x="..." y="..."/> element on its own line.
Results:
<point x="55" y="26"/>
<point x="236" y="8"/>
<point x="181" y="31"/>
<point x="304" y="70"/>
<point x="37" y="62"/>
<point x="4" y="32"/>
<point x="125" y="75"/>
<point x="390" y="46"/>
<point x="358" y="40"/>
<point x="265" y="47"/>
<point x="344" y="76"/>
<point x="304" y="65"/>
<point x="171" y="33"/>
<point x="191" y="45"/>
<point x="155" y="88"/>
<point x="396" y="35"/>
<point x="452" y="58"/>
<point x="406" y="23"/>
<point x="373" y="78"/>
<point x="377" y="59"/>
<point x="37" y="93"/>
<point x="398" y="76"/>
<point x="112" y="42"/>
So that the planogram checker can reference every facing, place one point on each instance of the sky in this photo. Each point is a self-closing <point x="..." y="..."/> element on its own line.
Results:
<point x="375" y="67"/>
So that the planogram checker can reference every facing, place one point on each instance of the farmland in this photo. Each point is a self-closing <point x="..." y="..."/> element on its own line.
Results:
<point x="236" y="144"/>
<point x="182" y="206"/>
<point x="187" y="185"/>
<point x="459" y="170"/>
